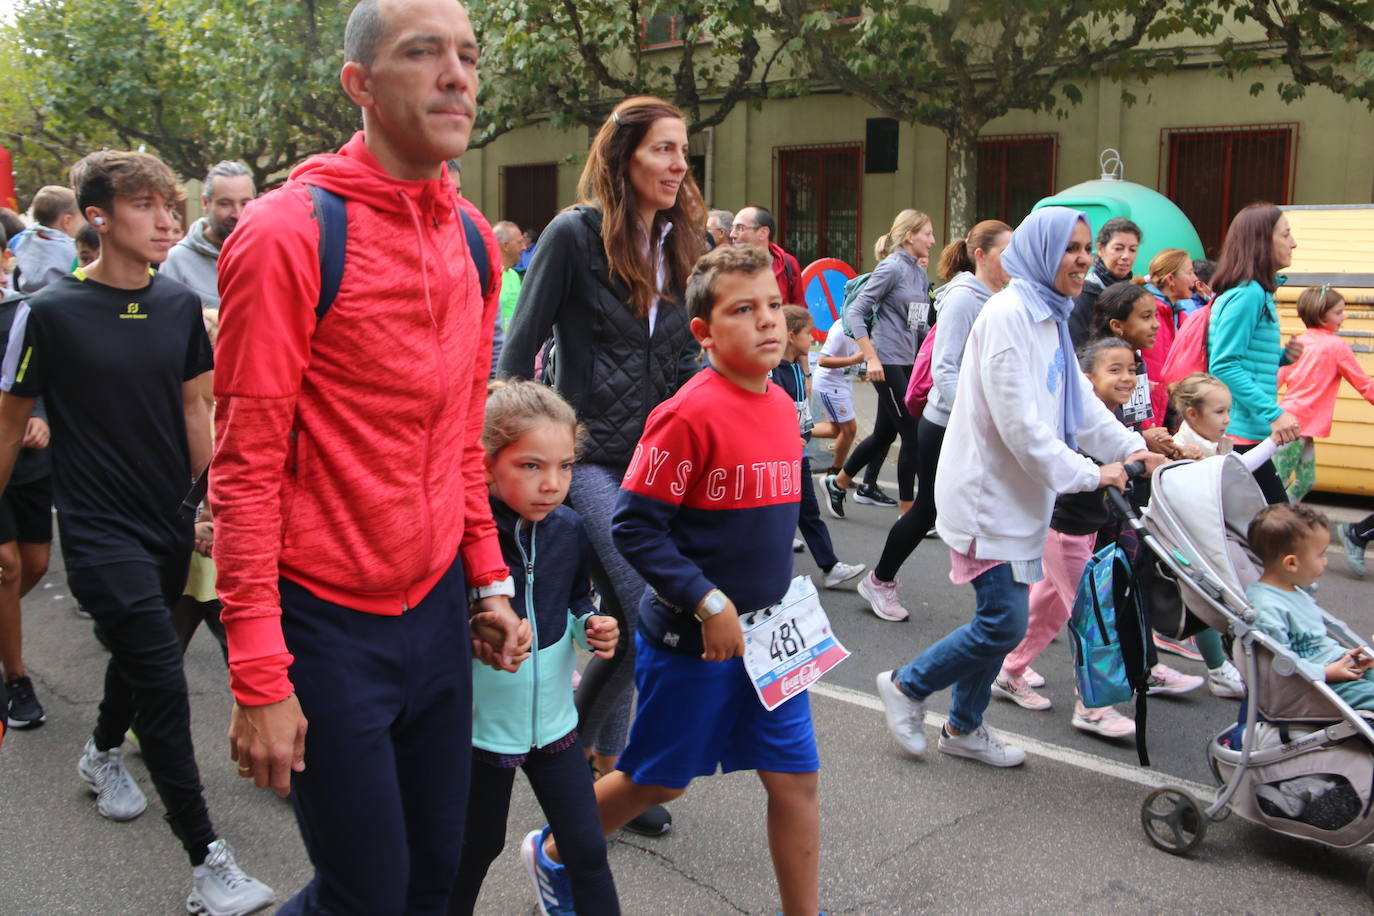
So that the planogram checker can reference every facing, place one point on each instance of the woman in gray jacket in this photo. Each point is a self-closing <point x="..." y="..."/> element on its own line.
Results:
<point x="973" y="269"/>
<point x="887" y="320"/>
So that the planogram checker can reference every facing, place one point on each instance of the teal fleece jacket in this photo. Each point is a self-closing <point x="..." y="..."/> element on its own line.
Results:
<point x="512" y="713"/>
<point x="1244" y="350"/>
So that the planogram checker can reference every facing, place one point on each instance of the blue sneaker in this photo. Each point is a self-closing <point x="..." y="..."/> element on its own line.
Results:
<point x="1354" y="549"/>
<point x="550" y="879"/>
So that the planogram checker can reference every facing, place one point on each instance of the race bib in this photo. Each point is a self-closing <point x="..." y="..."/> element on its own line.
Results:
<point x="789" y="647"/>
<point x="804" y="418"/>
<point x="917" y="315"/>
<point x="1137" y="410"/>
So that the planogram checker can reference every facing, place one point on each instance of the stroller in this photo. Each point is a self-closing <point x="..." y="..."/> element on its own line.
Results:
<point x="1302" y="760"/>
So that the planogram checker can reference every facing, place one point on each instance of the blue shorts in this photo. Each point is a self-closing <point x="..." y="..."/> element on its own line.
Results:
<point x="694" y="715"/>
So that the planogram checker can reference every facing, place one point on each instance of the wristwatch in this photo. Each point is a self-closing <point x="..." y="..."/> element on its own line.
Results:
<point x="714" y="602"/>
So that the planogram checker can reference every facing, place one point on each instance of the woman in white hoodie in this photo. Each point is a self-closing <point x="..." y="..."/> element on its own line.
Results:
<point x="1022" y="411"/>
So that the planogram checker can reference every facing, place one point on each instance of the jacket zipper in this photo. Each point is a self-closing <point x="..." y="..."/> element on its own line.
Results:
<point x="534" y="632"/>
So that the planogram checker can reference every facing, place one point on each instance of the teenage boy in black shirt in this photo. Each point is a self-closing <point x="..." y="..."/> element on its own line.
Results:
<point x="118" y="354"/>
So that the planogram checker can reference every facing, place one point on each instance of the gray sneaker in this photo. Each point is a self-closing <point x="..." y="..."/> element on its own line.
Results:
<point x="117" y="796"/>
<point x="906" y="718"/>
<point x="1354" y="550"/>
<point x="982" y="745"/>
<point x="222" y="889"/>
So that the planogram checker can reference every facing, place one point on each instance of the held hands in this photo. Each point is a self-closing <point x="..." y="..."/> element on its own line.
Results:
<point x="36" y="433"/>
<point x="205" y="538"/>
<point x="602" y="635"/>
<point x="1159" y="441"/>
<point x="268" y="743"/>
<point x="722" y="635"/>
<point x="500" y="639"/>
<point x="875" y="369"/>
<point x="1285" y="428"/>
<point x="1292" y="351"/>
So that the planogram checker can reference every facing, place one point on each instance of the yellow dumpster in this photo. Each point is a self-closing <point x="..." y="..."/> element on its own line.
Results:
<point x="1336" y="248"/>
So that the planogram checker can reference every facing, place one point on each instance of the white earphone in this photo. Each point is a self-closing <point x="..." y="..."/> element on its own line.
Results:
<point x="98" y="220"/>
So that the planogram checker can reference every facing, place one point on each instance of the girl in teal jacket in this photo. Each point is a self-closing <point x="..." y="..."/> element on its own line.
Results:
<point x="526" y="718"/>
<point x="1243" y="342"/>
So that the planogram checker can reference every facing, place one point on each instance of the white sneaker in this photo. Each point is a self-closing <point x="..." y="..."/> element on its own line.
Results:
<point x="1019" y="692"/>
<point x="981" y="745"/>
<point x="1164" y="679"/>
<point x="798" y="545"/>
<point x="882" y="598"/>
<point x="117" y="796"/>
<point x="1104" y="721"/>
<point x="1225" y="682"/>
<point x="222" y="889"/>
<point x="841" y="573"/>
<point x="906" y="718"/>
<point x="1033" y="678"/>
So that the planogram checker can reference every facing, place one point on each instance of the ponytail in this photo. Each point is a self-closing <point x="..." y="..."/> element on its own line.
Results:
<point x="958" y="255"/>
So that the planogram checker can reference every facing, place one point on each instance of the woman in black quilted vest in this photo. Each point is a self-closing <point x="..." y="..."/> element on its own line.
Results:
<point x="607" y="281"/>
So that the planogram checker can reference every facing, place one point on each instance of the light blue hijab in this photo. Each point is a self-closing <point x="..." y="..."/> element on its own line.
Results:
<point x="1032" y="260"/>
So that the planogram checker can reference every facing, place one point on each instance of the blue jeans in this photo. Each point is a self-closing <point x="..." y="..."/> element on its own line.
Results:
<point x="971" y="656"/>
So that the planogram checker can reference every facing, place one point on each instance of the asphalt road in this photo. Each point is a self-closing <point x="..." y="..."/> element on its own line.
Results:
<point x="939" y="835"/>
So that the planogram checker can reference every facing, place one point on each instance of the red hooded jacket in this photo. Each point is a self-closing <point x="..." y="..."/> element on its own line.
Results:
<point x="348" y="457"/>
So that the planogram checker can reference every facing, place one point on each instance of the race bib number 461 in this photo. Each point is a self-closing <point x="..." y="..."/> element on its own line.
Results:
<point x="789" y="648"/>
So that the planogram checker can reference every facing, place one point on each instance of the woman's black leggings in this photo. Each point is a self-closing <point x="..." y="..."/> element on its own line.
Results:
<point x="911" y="528"/>
<point x="892" y="409"/>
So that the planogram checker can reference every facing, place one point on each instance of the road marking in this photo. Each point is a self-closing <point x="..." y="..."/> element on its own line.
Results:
<point x="1084" y="761"/>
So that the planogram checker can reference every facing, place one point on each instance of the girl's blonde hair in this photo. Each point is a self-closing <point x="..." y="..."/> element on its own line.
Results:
<point x="1165" y="264"/>
<point x="797" y="317"/>
<point x="516" y="407"/>
<point x="906" y="222"/>
<point x="1192" y="390"/>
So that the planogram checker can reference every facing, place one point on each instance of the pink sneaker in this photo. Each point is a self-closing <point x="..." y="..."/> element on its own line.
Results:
<point x="1164" y="679"/>
<point x="882" y="598"/>
<point x="1032" y="678"/>
<point x="1019" y="692"/>
<point x="1104" y="721"/>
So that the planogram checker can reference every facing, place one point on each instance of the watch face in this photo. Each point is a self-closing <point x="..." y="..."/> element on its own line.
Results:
<point x="715" y="602"/>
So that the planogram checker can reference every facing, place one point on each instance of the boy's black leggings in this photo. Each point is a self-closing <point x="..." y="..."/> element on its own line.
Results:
<point x="563" y="785"/>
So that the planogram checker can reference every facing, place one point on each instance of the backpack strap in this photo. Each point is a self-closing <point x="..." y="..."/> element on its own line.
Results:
<point x="332" y="215"/>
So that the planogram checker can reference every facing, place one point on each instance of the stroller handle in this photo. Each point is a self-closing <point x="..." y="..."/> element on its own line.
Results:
<point x="1118" y="499"/>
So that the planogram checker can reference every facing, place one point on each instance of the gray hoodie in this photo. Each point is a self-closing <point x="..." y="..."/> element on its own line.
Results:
<point x="42" y="256"/>
<point x="896" y="282"/>
<point x="957" y="304"/>
<point x="194" y="261"/>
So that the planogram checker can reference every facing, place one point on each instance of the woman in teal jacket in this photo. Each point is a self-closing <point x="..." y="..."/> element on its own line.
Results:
<point x="1243" y="342"/>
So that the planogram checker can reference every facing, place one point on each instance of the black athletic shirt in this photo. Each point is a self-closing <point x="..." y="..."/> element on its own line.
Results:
<point x="110" y="364"/>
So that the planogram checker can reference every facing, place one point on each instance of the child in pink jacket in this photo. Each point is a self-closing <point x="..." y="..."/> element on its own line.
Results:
<point x="1309" y="386"/>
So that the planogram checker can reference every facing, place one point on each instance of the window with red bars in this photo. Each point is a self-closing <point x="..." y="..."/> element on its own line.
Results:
<point x="661" y="30"/>
<point x="1214" y="172"/>
<point x="1014" y="172"/>
<point x="819" y="202"/>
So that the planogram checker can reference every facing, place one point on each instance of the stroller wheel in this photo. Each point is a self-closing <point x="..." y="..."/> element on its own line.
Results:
<point x="1173" y="820"/>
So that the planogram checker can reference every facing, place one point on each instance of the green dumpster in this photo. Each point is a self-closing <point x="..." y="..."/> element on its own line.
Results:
<point x="1162" y="222"/>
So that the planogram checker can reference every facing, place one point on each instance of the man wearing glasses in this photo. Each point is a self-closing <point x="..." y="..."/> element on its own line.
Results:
<point x="755" y="226"/>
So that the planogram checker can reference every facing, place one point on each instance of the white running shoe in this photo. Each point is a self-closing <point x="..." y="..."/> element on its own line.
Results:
<point x="117" y="796"/>
<point x="981" y="745"/>
<point x="1164" y="679"/>
<point x="1019" y="692"/>
<point x="882" y="598"/>
<point x="798" y="545"/>
<point x="222" y="889"/>
<point x="1104" y="721"/>
<point x="906" y="718"/>
<point x="1032" y="677"/>
<point x="1225" y="682"/>
<point x="841" y="573"/>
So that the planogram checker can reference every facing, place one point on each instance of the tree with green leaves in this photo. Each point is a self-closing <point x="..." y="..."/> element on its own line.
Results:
<point x="570" y="61"/>
<point x="959" y="65"/>
<point x="1320" y="43"/>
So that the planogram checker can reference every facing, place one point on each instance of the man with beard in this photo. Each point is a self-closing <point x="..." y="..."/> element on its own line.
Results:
<point x="195" y="259"/>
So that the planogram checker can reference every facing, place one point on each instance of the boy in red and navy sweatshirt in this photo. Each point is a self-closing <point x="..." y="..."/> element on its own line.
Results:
<point x="706" y="514"/>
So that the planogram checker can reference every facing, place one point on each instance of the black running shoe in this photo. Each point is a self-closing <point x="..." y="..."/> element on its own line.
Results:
<point x="656" y="821"/>
<point x="834" y="495"/>
<point x="872" y="495"/>
<point x="24" y="710"/>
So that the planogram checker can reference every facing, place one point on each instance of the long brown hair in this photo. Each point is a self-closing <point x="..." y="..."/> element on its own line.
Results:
<point x="1248" y="252"/>
<point x="605" y="184"/>
<point x="958" y="254"/>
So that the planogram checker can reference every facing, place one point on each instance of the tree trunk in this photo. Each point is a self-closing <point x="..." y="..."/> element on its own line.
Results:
<point x="961" y="179"/>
